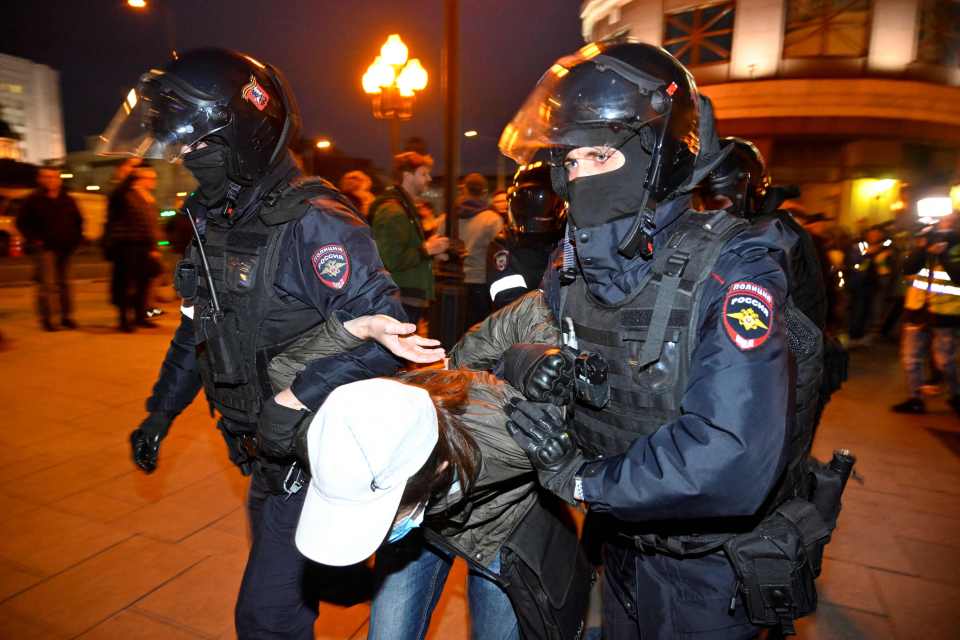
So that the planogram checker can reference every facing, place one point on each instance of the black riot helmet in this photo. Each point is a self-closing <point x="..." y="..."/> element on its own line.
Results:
<point x="627" y="96"/>
<point x="215" y="95"/>
<point x="741" y="178"/>
<point x="534" y="206"/>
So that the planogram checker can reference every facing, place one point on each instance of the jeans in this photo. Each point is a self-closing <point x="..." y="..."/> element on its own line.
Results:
<point x="411" y="576"/>
<point x="51" y="272"/>
<point x="915" y="341"/>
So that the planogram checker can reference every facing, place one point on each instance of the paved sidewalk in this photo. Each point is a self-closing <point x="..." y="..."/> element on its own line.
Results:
<point x="91" y="548"/>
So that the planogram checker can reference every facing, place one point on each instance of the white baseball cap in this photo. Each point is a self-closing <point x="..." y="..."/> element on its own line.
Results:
<point x="365" y="442"/>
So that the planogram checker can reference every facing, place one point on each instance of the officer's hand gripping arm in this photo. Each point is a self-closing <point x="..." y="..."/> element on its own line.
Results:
<point x="543" y="373"/>
<point x="368" y="290"/>
<point x="540" y="430"/>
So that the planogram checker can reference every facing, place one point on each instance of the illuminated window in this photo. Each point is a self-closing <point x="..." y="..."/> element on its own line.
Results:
<point x="832" y="28"/>
<point x="700" y="36"/>
<point x="938" y="37"/>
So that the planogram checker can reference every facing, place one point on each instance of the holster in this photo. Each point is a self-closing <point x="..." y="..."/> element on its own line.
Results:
<point x="547" y="573"/>
<point x="241" y="446"/>
<point x="777" y="562"/>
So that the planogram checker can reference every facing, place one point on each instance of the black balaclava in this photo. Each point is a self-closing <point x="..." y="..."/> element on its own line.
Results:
<point x="598" y="199"/>
<point x="209" y="166"/>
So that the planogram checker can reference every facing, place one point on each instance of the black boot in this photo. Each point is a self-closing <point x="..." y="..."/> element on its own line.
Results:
<point x="910" y="405"/>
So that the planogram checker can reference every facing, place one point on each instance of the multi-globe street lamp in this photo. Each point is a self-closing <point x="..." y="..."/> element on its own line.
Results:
<point x="392" y="81"/>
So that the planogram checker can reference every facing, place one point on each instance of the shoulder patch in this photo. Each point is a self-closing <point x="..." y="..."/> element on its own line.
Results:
<point x="331" y="263"/>
<point x="501" y="259"/>
<point x="747" y="314"/>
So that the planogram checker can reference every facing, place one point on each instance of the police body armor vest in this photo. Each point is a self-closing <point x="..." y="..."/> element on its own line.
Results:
<point x="256" y="324"/>
<point x="648" y="342"/>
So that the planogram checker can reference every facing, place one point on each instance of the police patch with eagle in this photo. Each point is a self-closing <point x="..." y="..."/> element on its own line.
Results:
<point x="332" y="265"/>
<point x="747" y="314"/>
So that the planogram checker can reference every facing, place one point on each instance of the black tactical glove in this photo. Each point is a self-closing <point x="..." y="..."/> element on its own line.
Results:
<point x="541" y="372"/>
<point x="540" y="430"/>
<point x="277" y="430"/>
<point x="145" y="440"/>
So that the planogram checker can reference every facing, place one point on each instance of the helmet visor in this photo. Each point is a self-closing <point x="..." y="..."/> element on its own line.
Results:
<point x="161" y="119"/>
<point x="585" y="91"/>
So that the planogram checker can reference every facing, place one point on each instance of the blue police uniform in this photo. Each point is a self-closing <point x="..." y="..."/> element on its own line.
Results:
<point x="721" y="450"/>
<point x="327" y="263"/>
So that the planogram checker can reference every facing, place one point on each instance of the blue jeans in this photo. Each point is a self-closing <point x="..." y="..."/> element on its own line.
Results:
<point x="916" y="342"/>
<point x="410" y="578"/>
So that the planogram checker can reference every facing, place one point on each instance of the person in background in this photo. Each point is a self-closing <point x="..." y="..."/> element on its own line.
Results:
<point x="356" y="185"/>
<point x="130" y="239"/>
<point x="431" y="222"/>
<point x="931" y="312"/>
<point x="52" y="227"/>
<point x="479" y="225"/>
<point x="519" y="255"/>
<point x="873" y="265"/>
<point x="498" y="202"/>
<point x="405" y="250"/>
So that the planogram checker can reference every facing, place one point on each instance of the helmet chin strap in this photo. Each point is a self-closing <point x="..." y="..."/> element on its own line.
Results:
<point x="639" y="240"/>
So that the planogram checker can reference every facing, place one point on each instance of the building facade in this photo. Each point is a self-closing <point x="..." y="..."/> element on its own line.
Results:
<point x="30" y="104"/>
<point x="855" y="101"/>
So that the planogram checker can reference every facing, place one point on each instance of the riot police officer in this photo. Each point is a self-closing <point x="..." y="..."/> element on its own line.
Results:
<point x="519" y="254"/>
<point x="692" y="443"/>
<point x="742" y="186"/>
<point x="274" y="256"/>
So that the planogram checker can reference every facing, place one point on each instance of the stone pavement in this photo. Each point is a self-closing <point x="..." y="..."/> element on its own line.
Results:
<point x="91" y="548"/>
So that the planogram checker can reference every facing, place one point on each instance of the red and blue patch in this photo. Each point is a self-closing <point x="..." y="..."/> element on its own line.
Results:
<point x="253" y="93"/>
<point x="331" y="263"/>
<point x="747" y="314"/>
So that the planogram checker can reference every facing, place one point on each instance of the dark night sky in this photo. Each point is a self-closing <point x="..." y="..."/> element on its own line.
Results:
<point x="100" y="48"/>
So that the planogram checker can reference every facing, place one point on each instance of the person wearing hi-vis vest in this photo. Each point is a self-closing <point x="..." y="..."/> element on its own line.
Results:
<point x="932" y="311"/>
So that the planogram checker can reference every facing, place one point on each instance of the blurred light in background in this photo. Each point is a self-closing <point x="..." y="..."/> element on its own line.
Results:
<point x="137" y="4"/>
<point x="66" y="176"/>
<point x="323" y="143"/>
<point x="931" y="209"/>
<point x="93" y="187"/>
<point x="168" y="213"/>
<point x="470" y="134"/>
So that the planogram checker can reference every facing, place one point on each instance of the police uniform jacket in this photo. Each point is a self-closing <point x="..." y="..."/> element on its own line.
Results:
<point x="327" y="261"/>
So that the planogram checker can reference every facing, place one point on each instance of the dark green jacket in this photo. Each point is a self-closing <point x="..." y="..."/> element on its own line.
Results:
<point x="399" y="237"/>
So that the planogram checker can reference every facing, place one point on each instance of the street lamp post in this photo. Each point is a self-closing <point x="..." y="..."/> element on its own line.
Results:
<point x="392" y="81"/>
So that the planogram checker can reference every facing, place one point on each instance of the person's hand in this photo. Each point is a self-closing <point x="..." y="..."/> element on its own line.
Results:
<point x="436" y="245"/>
<point x="543" y="373"/>
<point x="145" y="440"/>
<point x="399" y="338"/>
<point x="937" y="248"/>
<point x="540" y="430"/>
<point x="277" y="428"/>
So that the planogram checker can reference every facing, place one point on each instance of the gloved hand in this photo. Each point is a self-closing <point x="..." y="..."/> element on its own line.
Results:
<point x="541" y="372"/>
<point x="277" y="430"/>
<point x="145" y="440"/>
<point x="540" y="430"/>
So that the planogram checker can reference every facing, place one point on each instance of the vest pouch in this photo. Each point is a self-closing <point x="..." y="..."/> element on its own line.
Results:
<point x="775" y="571"/>
<point x="185" y="279"/>
<point x="241" y="271"/>
<point x="222" y="343"/>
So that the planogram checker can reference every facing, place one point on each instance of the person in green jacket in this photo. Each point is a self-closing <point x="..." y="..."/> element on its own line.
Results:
<point x="404" y="249"/>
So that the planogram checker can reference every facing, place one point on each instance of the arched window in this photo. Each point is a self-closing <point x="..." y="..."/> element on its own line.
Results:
<point x="827" y="28"/>
<point x="699" y="36"/>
